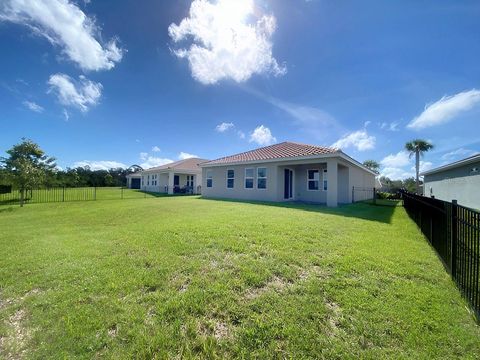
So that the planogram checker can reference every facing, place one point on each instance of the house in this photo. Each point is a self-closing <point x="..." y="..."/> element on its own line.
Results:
<point x="288" y="171"/>
<point x="459" y="181"/>
<point x="179" y="176"/>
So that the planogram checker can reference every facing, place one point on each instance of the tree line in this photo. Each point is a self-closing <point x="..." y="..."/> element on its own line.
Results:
<point x="27" y="167"/>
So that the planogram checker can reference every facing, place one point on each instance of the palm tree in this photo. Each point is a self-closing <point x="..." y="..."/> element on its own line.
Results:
<point x="372" y="165"/>
<point x="417" y="147"/>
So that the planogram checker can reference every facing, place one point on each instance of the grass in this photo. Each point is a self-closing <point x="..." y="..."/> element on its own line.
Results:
<point x="194" y="278"/>
<point x="75" y="194"/>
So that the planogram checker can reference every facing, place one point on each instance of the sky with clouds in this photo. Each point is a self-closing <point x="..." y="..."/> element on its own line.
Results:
<point x="115" y="83"/>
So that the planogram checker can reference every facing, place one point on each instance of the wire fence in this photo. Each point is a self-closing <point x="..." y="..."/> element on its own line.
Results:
<point x="64" y="194"/>
<point x="454" y="232"/>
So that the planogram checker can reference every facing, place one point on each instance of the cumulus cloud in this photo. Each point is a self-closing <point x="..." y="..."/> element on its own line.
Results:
<point x="152" y="161"/>
<point x="81" y="94"/>
<point x="185" y="155"/>
<point x="224" y="126"/>
<point x="100" y="165"/>
<point x="65" y="25"/>
<point x="397" y="160"/>
<point x="241" y="134"/>
<point x="262" y="136"/>
<point x="446" y="109"/>
<point x="156" y="149"/>
<point x="230" y="39"/>
<point x="33" y="106"/>
<point x="396" y="173"/>
<point x="143" y="156"/>
<point x="424" y="166"/>
<point x="359" y="140"/>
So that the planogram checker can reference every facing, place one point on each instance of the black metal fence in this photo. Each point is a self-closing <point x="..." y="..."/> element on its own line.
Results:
<point x="64" y="194"/>
<point x="454" y="232"/>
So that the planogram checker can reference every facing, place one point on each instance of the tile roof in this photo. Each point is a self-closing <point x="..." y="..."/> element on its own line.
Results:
<point x="282" y="150"/>
<point x="187" y="165"/>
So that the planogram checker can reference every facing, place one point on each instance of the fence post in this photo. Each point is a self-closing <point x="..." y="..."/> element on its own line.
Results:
<point x="353" y="194"/>
<point x="454" y="239"/>
<point x="95" y="193"/>
<point x="63" y="194"/>
<point x="374" y="196"/>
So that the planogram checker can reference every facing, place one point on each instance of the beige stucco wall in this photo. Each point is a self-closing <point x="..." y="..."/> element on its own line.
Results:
<point x="162" y="181"/>
<point x="340" y="182"/>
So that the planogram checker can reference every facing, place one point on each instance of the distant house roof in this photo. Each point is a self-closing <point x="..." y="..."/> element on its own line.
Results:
<point x="191" y="164"/>
<point x="466" y="161"/>
<point x="284" y="150"/>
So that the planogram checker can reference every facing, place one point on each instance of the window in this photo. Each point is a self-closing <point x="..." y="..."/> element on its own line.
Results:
<point x="148" y="180"/>
<point x="230" y="179"/>
<point x="249" y="178"/>
<point x="261" y="178"/>
<point x="313" y="179"/>
<point x="190" y="181"/>
<point x="325" y="182"/>
<point x="209" y="178"/>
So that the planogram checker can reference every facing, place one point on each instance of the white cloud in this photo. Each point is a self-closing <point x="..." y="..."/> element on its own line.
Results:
<point x="230" y="40"/>
<point x="262" y="136"/>
<point x="65" y="25"/>
<point x="395" y="173"/>
<point x="156" y="149"/>
<point x="424" y="166"/>
<point x="100" y="165"/>
<point x="311" y="120"/>
<point x="143" y="156"/>
<point x="459" y="153"/>
<point x="185" y="155"/>
<point x="80" y="94"/>
<point x="151" y="161"/>
<point x="66" y="115"/>
<point x="224" y="126"/>
<point x="358" y="139"/>
<point x="397" y="160"/>
<point x="393" y="126"/>
<point x="241" y="134"/>
<point x="33" y="106"/>
<point x="446" y="109"/>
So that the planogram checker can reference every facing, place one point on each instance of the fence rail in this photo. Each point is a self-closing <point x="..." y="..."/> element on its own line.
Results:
<point x="64" y="194"/>
<point x="454" y="232"/>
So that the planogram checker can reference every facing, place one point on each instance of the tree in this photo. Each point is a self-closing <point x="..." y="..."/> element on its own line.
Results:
<point x="417" y="147"/>
<point x="27" y="166"/>
<point x="372" y="165"/>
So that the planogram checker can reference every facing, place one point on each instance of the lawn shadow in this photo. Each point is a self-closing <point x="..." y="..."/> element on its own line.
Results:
<point x="362" y="210"/>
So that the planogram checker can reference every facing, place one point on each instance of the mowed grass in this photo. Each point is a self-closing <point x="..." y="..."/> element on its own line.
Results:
<point x="60" y="194"/>
<point x="186" y="277"/>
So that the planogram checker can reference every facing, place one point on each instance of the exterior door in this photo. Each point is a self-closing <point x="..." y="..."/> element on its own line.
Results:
<point x="288" y="181"/>
<point x="176" y="180"/>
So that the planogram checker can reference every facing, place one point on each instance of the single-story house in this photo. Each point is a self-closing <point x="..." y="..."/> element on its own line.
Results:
<point x="459" y="181"/>
<point x="180" y="176"/>
<point x="288" y="171"/>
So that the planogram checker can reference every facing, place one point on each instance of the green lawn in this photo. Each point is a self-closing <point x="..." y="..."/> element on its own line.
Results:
<point x="186" y="277"/>
<point x="75" y="194"/>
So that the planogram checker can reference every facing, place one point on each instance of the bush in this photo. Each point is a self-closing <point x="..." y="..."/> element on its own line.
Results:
<point x="387" y="196"/>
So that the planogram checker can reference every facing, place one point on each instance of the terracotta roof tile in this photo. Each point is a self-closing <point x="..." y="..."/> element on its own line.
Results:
<point x="191" y="164"/>
<point x="278" y="151"/>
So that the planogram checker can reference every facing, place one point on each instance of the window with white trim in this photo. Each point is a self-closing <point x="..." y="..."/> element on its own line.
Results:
<point x="148" y="180"/>
<point x="325" y="181"/>
<point x="230" y="179"/>
<point x="313" y="180"/>
<point x="249" y="176"/>
<point x="261" y="178"/>
<point x="209" y="178"/>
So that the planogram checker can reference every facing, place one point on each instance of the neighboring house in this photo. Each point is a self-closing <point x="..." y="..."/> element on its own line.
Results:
<point x="456" y="181"/>
<point x="175" y="177"/>
<point x="288" y="171"/>
<point x="134" y="180"/>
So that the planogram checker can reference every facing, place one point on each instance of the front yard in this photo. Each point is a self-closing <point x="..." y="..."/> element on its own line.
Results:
<point x="187" y="277"/>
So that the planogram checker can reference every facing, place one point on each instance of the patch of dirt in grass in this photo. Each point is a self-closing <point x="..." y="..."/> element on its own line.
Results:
<point x="334" y="316"/>
<point x="13" y="345"/>
<point x="214" y="327"/>
<point x="275" y="284"/>
<point x="113" y="330"/>
<point x="314" y="272"/>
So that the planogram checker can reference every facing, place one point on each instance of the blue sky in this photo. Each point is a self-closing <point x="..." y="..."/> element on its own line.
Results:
<point x="110" y="83"/>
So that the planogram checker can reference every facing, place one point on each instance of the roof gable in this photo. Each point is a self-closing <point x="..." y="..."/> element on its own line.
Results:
<point x="191" y="164"/>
